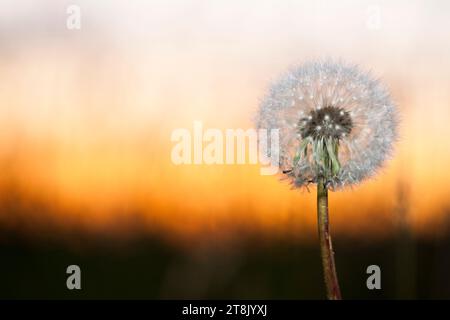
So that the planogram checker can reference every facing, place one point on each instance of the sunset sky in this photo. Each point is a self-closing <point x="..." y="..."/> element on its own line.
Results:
<point x="86" y="115"/>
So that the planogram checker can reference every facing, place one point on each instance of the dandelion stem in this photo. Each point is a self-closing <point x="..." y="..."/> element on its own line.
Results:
<point x="326" y="248"/>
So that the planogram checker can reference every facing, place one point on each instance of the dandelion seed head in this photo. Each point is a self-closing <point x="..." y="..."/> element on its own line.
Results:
<point x="351" y="110"/>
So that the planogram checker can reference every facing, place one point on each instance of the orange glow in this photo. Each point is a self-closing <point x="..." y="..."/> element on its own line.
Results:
<point x="86" y="118"/>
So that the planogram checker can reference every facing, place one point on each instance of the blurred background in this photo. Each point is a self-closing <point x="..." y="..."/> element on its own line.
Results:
<point x="86" y="117"/>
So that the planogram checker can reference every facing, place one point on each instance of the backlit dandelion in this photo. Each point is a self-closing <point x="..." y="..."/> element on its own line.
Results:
<point x="337" y="125"/>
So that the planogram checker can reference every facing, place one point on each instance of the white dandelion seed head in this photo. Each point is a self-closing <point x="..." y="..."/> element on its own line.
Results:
<point x="350" y="107"/>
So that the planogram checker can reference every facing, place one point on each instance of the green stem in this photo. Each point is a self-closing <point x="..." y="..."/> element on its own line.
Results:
<point x="326" y="248"/>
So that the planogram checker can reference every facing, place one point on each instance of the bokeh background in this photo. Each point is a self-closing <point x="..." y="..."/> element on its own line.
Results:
<point x="86" y="177"/>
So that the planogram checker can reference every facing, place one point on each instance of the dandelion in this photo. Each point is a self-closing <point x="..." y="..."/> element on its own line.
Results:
<point x="337" y="138"/>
